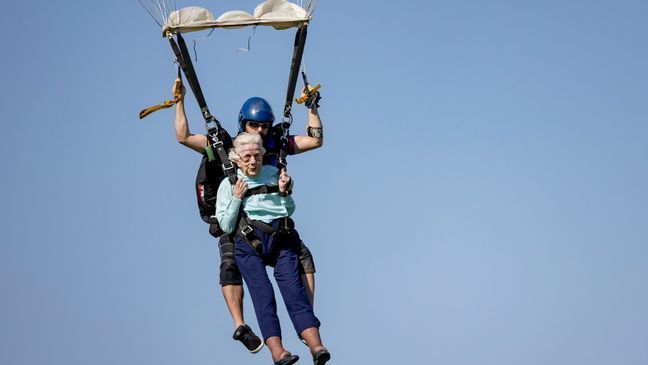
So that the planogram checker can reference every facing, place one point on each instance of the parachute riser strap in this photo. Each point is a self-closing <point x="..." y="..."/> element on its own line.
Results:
<point x="213" y="126"/>
<point x="184" y="60"/>
<point x="298" y="52"/>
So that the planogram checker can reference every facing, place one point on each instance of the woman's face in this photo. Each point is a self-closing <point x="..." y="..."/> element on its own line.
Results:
<point x="251" y="159"/>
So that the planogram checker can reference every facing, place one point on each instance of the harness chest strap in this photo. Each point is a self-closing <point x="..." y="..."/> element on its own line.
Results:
<point x="266" y="189"/>
<point x="246" y="225"/>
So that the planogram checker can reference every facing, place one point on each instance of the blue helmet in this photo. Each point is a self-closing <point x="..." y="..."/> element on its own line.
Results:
<point x="255" y="109"/>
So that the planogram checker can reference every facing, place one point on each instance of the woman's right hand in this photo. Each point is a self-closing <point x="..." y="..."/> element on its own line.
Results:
<point x="239" y="189"/>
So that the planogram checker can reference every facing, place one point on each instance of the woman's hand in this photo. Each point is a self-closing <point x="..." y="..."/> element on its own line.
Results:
<point x="239" y="189"/>
<point x="284" y="181"/>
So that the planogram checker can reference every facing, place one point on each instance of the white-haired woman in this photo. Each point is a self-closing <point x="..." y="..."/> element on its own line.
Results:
<point x="257" y="208"/>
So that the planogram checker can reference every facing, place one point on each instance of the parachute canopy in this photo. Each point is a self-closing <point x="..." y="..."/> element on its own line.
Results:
<point x="279" y="14"/>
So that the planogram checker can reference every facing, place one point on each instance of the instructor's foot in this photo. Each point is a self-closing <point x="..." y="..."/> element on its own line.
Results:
<point x="251" y="341"/>
<point x="321" y="357"/>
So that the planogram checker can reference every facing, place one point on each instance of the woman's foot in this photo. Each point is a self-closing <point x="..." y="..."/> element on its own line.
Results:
<point x="287" y="359"/>
<point x="321" y="357"/>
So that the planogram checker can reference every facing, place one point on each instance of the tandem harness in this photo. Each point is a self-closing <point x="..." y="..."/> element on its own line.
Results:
<point x="246" y="225"/>
<point x="215" y="150"/>
<point x="246" y="230"/>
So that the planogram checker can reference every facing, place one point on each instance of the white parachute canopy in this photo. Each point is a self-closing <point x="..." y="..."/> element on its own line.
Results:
<point x="280" y="14"/>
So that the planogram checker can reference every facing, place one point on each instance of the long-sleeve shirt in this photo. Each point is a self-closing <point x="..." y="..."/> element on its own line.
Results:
<point x="263" y="207"/>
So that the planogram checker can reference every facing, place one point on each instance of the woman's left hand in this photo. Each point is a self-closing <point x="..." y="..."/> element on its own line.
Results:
<point x="284" y="181"/>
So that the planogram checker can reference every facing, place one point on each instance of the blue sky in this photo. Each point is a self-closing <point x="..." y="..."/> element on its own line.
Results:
<point x="481" y="197"/>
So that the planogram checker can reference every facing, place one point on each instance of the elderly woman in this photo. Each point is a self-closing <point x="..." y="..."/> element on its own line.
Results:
<point x="257" y="208"/>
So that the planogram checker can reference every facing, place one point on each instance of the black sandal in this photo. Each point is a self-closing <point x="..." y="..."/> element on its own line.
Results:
<point x="287" y="360"/>
<point x="321" y="357"/>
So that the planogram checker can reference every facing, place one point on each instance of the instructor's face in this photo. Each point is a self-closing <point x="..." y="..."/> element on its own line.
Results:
<point x="258" y="127"/>
<point x="251" y="160"/>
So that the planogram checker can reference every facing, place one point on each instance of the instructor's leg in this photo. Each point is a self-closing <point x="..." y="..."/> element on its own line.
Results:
<point x="307" y="270"/>
<point x="231" y="281"/>
<point x="232" y="288"/>
<point x="233" y="295"/>
<point x="308" y="280"/>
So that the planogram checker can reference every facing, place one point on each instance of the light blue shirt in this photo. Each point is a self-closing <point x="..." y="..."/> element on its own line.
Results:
<point x="263" y="207"/>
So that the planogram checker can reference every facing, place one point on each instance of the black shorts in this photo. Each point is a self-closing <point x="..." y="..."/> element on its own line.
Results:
<point x="229" y="271"/>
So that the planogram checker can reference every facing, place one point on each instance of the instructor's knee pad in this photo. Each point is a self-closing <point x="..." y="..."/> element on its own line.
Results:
<point x="229" y="271"/>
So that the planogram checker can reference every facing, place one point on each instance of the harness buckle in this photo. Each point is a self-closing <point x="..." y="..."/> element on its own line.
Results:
<point x="247" y="230"/>
<point x="228" y="166"/>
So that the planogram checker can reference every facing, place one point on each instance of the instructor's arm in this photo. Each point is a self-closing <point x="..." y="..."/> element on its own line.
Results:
<point x="310" y="142"/>
<point x="196" y="142"/>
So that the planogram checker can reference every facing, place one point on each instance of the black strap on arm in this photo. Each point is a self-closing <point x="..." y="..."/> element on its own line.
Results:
<point x="212" y="124"/>
<point x="298" y="52"/>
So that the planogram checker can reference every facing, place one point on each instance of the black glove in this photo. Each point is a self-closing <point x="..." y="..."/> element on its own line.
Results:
<point x="313" y="100"/>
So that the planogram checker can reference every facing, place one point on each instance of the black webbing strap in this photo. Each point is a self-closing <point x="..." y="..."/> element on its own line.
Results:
<point x="247" y="233"/>
<point x="298" y="52"/>
<point x="184" y="59"/>
<point x="262" y="189"/>
<point x="212" y="124"/>
<point x="247" y="225"/>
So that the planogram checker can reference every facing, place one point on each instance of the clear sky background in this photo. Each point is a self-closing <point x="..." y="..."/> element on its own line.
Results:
<point x="481" y="197"/>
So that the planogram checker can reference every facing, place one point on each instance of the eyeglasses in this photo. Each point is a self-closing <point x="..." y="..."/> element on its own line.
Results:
<point x="256" y="125"/>
<point x="248" y="157"/>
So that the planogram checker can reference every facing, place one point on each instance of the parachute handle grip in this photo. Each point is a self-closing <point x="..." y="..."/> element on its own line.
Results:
<point x="311" y="93"/>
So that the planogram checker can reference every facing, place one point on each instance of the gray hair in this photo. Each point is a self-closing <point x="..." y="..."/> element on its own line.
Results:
<point x="242" y="140"/>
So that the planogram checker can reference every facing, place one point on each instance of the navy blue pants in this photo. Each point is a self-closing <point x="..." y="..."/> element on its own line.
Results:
<point x="282" y="252"/>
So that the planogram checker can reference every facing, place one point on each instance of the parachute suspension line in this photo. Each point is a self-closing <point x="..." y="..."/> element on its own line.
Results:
<point x="150" y="12"/>
<point x="159" y="10"/>
<point x="194" y="43"/>
<point x="310" y="7"/>
<point x="249" y="42"/>
<point x="212" y="124"/>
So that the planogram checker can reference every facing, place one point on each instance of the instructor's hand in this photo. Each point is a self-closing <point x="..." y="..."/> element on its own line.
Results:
<point x="239" y="189"/>
<point x="179" y="90"/>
